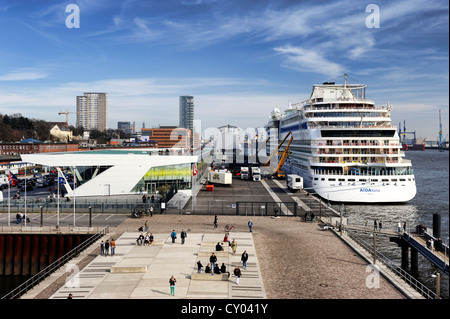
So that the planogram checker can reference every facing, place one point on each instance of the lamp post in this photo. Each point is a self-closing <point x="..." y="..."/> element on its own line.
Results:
<point x="438" y="284"/>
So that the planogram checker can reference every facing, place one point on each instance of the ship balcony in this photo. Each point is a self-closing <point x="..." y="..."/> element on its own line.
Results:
<point x="391" y="171"/>
<point x="354" y="143"/>
<point x="358" y="160"/>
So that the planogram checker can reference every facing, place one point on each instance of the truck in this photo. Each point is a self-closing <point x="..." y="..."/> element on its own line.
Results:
<point x="220" y="177"/>
<point x="244" y="172"/>
<point x="294" y="182"/>
<point x="256" y="173"/>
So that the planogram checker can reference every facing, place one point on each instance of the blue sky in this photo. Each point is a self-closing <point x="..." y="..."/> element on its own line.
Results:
<point x="239" y="59"/>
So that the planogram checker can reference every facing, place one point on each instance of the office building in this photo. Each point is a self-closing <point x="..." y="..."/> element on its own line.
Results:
<point x="186" y="113"/>
<point x="168" y="136"/>
<point x="92" y="111"/>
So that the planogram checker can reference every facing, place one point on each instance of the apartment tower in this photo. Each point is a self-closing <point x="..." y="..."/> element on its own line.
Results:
<point x="92" y="111"/>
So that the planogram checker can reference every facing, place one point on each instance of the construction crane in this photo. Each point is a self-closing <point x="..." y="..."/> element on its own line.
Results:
<point x="284" y="154"/>
<point x="67" y="116"/>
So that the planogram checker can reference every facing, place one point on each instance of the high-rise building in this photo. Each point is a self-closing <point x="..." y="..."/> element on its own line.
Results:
<point x="187" y="112"/>
<point x="92" y="111"/>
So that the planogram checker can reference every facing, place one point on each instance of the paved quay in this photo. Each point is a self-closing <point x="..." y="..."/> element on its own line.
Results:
<point x="143" y="272"/>
<point x="295" y="260"/>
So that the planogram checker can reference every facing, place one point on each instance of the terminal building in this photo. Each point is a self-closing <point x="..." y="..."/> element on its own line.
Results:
<point x="125" y="171"/>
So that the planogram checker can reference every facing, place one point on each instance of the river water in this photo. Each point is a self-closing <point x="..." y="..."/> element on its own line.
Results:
<point x="431" y="170"/>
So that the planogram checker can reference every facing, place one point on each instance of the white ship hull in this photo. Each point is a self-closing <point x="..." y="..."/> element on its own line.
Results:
<point x="399" y="189"/>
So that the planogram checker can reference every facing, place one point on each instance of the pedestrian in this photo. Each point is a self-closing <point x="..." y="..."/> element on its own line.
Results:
<point x="244" y="258"/>
<point x="404" y="227"/>
<point x="172" y="282"/>
<point x="199" y="266"/>
<point x="212" y="261"/>
<point x="146" y="226"/>
<point x="173" y="235"/>
<point x="183" y="236"/>
<point x="113" y="247"/>
<point x="223" y="270"/>
<point x="102" y="248"/>
<point x="237" y="274"/>
<point x="151" y="211"/>
<point x="399" y="227"/>
<point x="379" y="226"/>
<point x="233" y="245"/>
<point x="312" y="217"/>
<point x="250" y="225"/>
<point x="106" y="248"/>
<point x="375" y="225"/>
<point x="215" y="221"/>
<point x="70" y="296"/>
<point x="305" y="216"/>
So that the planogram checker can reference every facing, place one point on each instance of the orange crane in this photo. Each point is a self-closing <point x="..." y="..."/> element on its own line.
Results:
<point x="284" y="154"/>
<point x="67" y="116"/>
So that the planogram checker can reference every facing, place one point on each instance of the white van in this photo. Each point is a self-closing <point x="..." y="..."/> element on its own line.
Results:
<point x="294" y="182"/>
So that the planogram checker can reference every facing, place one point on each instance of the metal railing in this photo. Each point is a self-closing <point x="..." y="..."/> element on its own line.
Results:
<point x="47" y="271"/>
<point x="403" y="274"/>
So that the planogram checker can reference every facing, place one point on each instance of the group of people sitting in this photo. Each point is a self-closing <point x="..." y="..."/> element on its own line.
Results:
<point x="145" y="240"/>
<point x="215" y="269"/>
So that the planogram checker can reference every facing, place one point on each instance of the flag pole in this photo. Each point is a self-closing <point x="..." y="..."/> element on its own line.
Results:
<point x="74" y="185"/>
<point x="9" y="195"/>
<point x="57" y="205"/>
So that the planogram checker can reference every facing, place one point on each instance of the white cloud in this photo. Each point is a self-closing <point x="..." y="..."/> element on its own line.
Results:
<point x="308" y="60"/>
<point x="23" y="74"/>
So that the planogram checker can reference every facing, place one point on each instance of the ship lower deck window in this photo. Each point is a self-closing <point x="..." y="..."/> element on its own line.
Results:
<point x="316" y="178"/>
<point x="402" y="180"/>
<point x="351" y="179"/>
<point x="341" y="179"/>
<point x="374" y="180"/>
<point x="362" y="180"/>
<point x="322" y="179"/>
<point x="332" y="179"/>
<point x="393" y="180"/>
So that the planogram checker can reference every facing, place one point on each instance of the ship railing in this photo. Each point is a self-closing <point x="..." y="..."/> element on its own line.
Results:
<point x="354" y="144"/>
<point x="408" y="172"/>
<point x="338" y="161"/>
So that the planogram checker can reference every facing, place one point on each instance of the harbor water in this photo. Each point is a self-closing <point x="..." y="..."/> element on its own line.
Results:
<point x="431" y="170"/>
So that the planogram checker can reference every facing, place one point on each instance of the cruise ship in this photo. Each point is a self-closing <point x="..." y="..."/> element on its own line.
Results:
<point x="344" y="147"/>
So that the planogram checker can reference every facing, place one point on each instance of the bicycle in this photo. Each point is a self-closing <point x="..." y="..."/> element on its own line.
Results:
<point x="229" y="227"/>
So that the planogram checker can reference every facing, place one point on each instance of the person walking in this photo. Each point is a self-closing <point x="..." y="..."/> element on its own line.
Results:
<point x="173" y="235"/>
<point x="399" y="227"/>
<point x="106" y="248"/>
<point x="172" y="282"/>
<point x="113" y="247"/>
<point x="250" y="225"/>
<point x="146" y="226"/>
<point x="183" y="236"/>
<point x="102" y="248"/>
<point x="212" y="261"/>
<point x="244" y="258"/>
<point x="216" y="220"/>
<point x="233" y="245"/>
<point x="379" y="226"/>
<point x="237" y="274"/>
<point x="375" y="225"/>
<point x="199" y="266"/>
